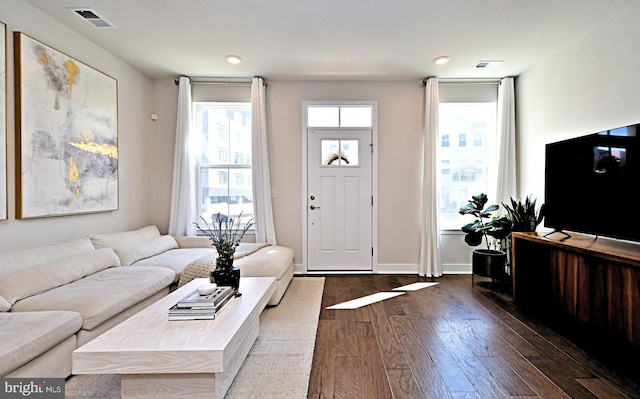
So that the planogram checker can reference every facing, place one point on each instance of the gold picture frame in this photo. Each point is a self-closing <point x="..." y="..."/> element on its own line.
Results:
<point x="66" y="134"/>
<point x="3" y="121"/>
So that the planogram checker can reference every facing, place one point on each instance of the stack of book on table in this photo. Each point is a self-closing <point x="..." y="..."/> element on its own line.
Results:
<point x="200" y="307"/>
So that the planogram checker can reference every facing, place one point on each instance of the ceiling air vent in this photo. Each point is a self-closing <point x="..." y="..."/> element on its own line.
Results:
<point x="92" y="17"/>
<point x="488" y="64"/>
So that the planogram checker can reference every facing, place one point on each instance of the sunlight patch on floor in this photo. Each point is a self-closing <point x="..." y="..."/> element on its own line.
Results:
<point x="380" y="296"/>
<point x="366" y="300"/>
<point x="414" y="286"/>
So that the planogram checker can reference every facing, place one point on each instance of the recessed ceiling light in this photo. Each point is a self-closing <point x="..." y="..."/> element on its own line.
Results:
<point x="234" y="59"/>
<point x="443" y="59"/>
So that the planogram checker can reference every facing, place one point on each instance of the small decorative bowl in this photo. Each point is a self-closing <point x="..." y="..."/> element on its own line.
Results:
<point x="206" y="289"/>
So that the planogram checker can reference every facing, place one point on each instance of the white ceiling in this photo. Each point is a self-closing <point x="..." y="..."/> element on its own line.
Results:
<point x="333" y="39"/>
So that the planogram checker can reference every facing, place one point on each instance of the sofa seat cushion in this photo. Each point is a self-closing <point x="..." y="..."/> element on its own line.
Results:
<point x="271" y="261"/>
<point x="255" y="260"/>
<point x="176" y="259"/>
<point x="26" y="335"/>
<point x="102" y="295"/>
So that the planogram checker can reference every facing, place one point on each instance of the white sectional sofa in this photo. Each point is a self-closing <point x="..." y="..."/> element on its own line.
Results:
<point x="55" y="298"/>
<point x="146" y="247"/>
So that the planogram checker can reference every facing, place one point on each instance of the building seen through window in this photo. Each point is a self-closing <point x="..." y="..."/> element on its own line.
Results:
<point x="225" y="180"/>
<point x="466" y="161"/>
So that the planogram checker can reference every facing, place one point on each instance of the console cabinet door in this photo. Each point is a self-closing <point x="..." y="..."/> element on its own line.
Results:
<point x="578" y="285"/>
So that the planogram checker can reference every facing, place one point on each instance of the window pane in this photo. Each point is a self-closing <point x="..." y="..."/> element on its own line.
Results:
<point x="225" y="159"/>
<point x="330" y="152"/>
<point x="355" y="116"/>
<point x="340" y="116"/>
<point x="227" y="196"/>
<point x="464" y="164"/>
<point x="349" y="153"/>
<point x="239" y="134"/>
<point x="323" y="116"/>
<point x="339" y="152"/>
<point x="225" y="134"/>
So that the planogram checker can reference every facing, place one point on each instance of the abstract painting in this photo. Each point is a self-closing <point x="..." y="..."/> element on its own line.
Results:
<point x="67" y="123"/>
<point x="3" y="121"/>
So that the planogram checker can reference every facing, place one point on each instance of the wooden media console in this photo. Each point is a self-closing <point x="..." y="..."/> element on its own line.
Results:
<point x="591" y="283"/>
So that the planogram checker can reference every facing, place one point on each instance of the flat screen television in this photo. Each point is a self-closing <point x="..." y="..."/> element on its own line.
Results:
<point x="592" y="184"/>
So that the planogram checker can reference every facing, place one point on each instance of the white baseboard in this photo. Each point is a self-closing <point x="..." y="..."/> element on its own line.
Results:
<point x="447" y="268"/>
<point x="456" y="268"/>
<point x="400" y="268"/>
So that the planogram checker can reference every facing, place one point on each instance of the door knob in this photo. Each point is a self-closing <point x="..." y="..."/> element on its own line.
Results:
<point x="312" y="207"/>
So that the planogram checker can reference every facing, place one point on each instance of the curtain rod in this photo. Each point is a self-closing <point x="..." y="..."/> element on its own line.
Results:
<point x="471" y="81"/>
<point x="495" y="82"/>
<point x="218" y="81"/>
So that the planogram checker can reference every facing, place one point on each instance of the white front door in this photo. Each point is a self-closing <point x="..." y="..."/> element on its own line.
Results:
<point x="339" y="200"/>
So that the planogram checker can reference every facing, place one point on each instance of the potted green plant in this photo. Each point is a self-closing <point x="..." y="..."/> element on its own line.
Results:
<point x="523" y="215"/>
<point x="489" y="262"/>
<point x="225" y="235"/>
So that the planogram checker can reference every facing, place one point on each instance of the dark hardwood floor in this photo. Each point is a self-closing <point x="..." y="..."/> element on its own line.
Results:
<point x="451" y="340"/>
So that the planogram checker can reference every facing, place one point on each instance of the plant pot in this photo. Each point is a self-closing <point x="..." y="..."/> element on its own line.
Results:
<point x="225" y="274"/>
<point x="489" y="263"/>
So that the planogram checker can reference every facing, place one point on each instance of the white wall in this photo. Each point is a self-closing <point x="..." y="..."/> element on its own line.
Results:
<point x="590" y="86"/>
<point x="399" y="140"/>
<point x="135" y="133"/>
<point x="160" y="148"/>
<point x="399" y="171"/>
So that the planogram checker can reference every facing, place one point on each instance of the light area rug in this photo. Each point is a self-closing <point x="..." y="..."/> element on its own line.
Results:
<point x="279" y="363"/>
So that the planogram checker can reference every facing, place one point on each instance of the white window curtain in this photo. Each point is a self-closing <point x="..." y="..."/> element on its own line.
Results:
<point x="263" y="213"/>
<point x="506" y="176"/>
<point x="430" y="264"/>
<point x="183" y="192"/>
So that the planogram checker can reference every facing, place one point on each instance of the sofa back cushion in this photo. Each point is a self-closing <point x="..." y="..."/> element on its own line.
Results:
<point x="27" y="258"/>
<point x="132" y="253"/>
<point x="22" y="283"/>
<point x="5" y="306"/>
<point x="132" y="246"/>
<point x="124" y="238"/>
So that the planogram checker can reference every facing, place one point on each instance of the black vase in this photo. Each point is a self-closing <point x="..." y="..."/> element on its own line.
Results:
<point x="225" y="274"/>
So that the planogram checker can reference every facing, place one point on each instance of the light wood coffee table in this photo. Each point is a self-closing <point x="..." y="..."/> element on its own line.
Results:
<point x="158" y="358"/>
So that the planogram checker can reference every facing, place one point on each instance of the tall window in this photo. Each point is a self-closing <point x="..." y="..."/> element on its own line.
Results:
<point x="465" y="166"/>
<point x="224" y="159"/>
